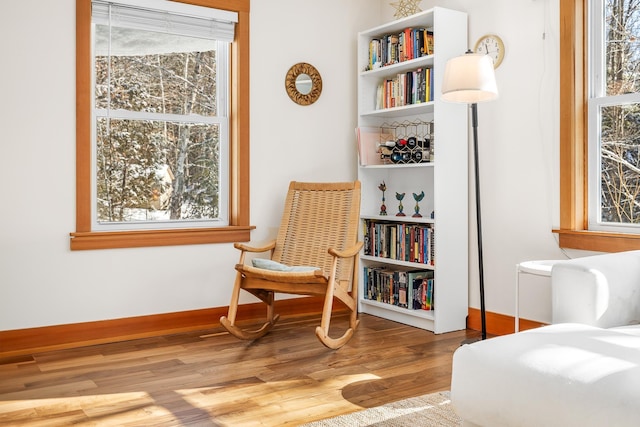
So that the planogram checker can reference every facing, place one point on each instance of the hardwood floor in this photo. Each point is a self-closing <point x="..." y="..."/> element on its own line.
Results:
<point x="213" y="379"/>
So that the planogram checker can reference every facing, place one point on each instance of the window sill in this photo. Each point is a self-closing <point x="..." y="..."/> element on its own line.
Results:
<point x="598" y="241"/>
<point x="148" y="238"/>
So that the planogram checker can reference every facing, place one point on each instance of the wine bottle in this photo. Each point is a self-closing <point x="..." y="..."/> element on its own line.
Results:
<point x="401" y="143"/>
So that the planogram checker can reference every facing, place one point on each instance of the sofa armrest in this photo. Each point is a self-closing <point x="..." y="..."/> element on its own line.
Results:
<point x="600" y="290"/>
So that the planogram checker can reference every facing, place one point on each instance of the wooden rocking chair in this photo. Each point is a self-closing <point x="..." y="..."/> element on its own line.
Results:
<point x="317" y="246"/>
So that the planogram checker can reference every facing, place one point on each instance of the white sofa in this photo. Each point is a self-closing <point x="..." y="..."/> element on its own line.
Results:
<point x="583" y="370"/>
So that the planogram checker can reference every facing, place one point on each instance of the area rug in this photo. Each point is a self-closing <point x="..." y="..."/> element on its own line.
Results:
<point x="425" y="411"/>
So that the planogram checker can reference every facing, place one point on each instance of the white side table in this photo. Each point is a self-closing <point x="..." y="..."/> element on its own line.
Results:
<point x="537" y="268"/>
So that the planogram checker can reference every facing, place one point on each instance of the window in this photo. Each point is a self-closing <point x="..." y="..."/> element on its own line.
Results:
<point x="575" y="228"/>
<point x="614" y="116"/>
<point x="162" y="126"/>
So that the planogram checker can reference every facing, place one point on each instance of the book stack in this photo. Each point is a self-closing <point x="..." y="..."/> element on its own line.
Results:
<point x="406" y="45"/>
<point x="413" y="290"/>
<point x="399" y="241"/>
<point x="412" y="87"/>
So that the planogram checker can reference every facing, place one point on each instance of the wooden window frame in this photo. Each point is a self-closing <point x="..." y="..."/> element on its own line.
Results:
<point x="238" y="229"/>
<point x="573" y="232"/>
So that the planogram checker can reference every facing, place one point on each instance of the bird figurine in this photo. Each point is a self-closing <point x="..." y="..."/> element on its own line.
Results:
<point x="418" y="198"/>
<point x="383" y="208"/>
<point x="399" y="197"/>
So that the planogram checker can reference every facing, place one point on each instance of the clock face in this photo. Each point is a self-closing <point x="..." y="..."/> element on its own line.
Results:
<point x="491" y="45"/>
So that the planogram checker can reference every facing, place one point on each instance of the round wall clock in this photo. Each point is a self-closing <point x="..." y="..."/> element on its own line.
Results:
<point x="492" y="45"/>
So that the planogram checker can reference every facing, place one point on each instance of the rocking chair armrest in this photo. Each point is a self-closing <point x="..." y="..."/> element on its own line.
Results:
<point x="349" y="252"/>
<point x="269" y="246"/>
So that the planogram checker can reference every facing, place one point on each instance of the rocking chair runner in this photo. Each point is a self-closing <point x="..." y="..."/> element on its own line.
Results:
<point x="319" y="228"/>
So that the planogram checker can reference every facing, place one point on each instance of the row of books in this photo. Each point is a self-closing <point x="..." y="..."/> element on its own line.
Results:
<point x="399" y="241"/>
<point x="406" y="45"/>
<point x="413" y="290"/>
<point x="412" y="87"/>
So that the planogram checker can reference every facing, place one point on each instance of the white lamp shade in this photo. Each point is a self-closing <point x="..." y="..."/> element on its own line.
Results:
<point x="469" y="79"/>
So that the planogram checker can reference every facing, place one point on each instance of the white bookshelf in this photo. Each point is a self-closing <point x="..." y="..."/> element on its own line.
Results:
<point x="444" y="181"/>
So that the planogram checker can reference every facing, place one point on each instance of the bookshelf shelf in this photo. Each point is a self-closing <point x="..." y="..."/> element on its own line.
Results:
<point x="423" y="314"/>
<point x="389" y="261"/>
<point x="395" y="166"/>
<point x="400" y="67"/>
<point x="403" y="111"/>
<point x="401" y="219"/>
<point x="444" y="180"/>
<point x="418" y="318"/>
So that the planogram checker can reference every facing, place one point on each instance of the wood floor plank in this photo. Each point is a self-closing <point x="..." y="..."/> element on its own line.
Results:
<point x="209" y="378"/>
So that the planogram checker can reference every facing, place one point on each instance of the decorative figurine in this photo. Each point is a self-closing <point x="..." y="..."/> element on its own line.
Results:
<point x="400" y="196"/>
<point x="383" y="208"/>
<point x="417" y="198"/>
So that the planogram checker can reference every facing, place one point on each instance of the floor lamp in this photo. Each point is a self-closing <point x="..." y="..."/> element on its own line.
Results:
<point x="470" y="79"/>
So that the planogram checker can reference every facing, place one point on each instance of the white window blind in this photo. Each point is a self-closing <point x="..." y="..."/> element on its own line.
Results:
<point x="166" y="16"/>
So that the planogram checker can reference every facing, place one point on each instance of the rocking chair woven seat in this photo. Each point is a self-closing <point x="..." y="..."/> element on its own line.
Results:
<point x="319" y="230"/>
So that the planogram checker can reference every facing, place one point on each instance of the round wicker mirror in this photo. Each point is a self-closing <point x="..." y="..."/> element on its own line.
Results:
<point x="303" y="83"/>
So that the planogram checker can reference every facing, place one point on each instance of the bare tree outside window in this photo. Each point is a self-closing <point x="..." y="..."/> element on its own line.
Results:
<point x="620" y="121"/>
<point x="158" y="137"/>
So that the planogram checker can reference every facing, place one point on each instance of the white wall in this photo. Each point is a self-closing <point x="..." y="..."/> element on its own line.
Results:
<point x="518" y="138"/>
<point x="43" y="283"/>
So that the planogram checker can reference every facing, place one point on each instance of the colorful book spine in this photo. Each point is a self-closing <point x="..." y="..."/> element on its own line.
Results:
<point x="412" y="87"/>
<point x="406" y="45"/>
<point x="412" y="290"/>
<point x="401" y="241"/>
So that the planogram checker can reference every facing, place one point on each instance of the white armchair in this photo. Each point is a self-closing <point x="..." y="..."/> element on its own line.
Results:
<point x="600" y="290"/>
<point x="583" y="370"/>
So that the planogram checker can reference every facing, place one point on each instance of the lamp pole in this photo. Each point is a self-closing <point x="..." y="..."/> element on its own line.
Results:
<point x="474" y="124"/>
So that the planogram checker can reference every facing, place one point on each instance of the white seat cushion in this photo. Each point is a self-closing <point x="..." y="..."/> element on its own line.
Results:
<point x="557" y="375"/>
<point x="629" y="329"/>
<point x="268" y="264"/>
